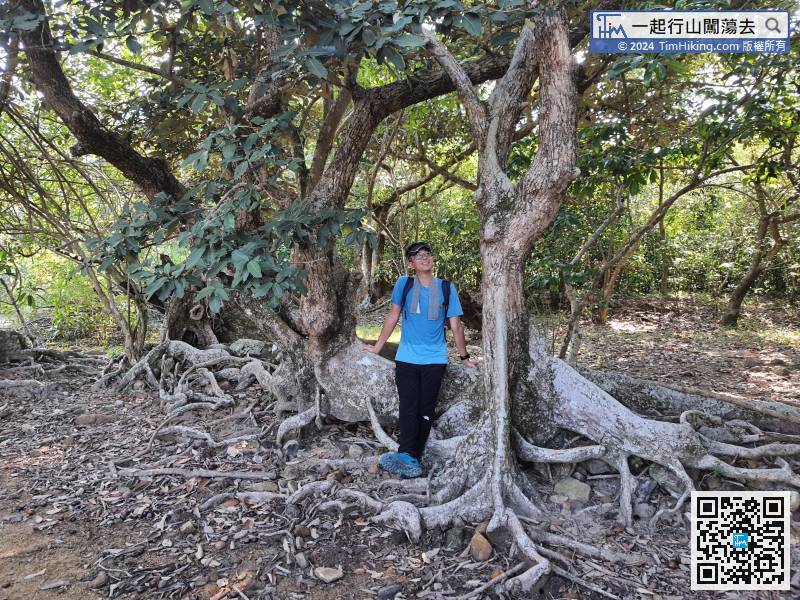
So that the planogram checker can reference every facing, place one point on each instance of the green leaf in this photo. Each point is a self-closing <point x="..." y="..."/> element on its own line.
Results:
<point x="241" y="169"/>
<point x="133" y="45"/>
<point x="472" y="23"/>
<point x="395" y="57"/>
<point x="198" y="103"/>
<point x="369" y="37"/>
<point x="315" y="67"/>
<point x="409" y="41"/>
<point x="501" y="39"/>
<point x="254" y="268"/>
<point x="205" y="292"/>
<point x="677" y="67"/>
<point x="194" y="257"/>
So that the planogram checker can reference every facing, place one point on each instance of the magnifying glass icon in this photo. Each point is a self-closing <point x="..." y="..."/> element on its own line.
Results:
<point x="772" y="25"/>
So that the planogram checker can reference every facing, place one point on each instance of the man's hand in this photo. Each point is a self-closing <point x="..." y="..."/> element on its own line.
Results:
<point x="371" y="349"/>
<point x="471" y="362"/>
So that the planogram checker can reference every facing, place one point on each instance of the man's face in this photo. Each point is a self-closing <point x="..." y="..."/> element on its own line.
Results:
<point x="422" y="260"/>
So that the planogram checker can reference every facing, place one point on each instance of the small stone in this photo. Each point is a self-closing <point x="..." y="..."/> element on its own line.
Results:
<point x="374" y="468"/>
<point x="558" y="499"/>
<point x="455" y="538"/>
<point x="782" y="371"/>
<point x="92" y="419"/>
<point x="265" y="486"/>
<point x="597" y="467"/>
<point x="54" y="584"/>
<point x="301" y="560"/>
<point x="247" y="347"/>
<point x="644" y="490"/>
<point x="290" y="472"/>
<point x="328" y="574"/>
<point x="794" y="501"/>
<point x="188" y="527"/>
<point x="389" y="592"/>
<point x="355" y="451"/>
<point x="99" y="581"/>
<point x="666" y="479"/>
<point x="573" y="489"/>
<point x="479" y="547"/>
<point x="713" y="483"/>
<point x="302" y="531"/>
<point x="643" y="511"/>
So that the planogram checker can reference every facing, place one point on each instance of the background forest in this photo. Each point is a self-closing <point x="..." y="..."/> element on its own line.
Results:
<point x="689" y="178"/>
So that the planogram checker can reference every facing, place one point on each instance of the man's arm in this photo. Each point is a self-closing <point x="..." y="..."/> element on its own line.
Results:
<point x="461" y="343"/>
<point x="388" y="327"/>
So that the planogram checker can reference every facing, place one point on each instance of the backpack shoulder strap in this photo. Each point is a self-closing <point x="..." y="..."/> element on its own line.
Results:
<point x="406" y="288"/>
<point x="445" y="299"/>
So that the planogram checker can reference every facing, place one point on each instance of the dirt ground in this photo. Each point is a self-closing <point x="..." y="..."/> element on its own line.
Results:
<point x="73" y="526"/>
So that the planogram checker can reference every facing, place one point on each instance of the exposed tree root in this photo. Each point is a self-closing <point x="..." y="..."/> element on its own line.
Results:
<point x="298" y="421"/>
<point x="384" y="438"/>
<point x="196" y="434"/>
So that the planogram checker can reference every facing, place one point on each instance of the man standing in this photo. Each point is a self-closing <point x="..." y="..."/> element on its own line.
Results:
<point x="421" y="359"/>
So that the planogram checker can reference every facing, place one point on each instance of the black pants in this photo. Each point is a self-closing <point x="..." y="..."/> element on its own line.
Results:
<point x="418" y="388"/>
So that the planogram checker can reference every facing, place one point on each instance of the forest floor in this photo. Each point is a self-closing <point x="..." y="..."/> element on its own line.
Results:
<point x="72" y="527"/>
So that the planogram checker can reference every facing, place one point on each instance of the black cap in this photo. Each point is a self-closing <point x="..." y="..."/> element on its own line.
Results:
<point x="416" y="247"/>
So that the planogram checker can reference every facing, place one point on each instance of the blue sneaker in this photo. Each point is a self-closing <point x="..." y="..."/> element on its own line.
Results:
<point x="401" y="463"/>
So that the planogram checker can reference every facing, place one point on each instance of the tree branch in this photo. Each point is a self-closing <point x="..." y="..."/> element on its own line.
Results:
<point x="152" y="175"/>
<point x="469" y="97"/>
<point x="508" y="98"/>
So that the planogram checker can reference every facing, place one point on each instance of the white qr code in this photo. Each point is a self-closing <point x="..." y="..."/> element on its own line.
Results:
<point x="740" y="540"/>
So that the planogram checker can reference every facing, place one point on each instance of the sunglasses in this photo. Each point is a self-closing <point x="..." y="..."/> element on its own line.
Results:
<point x="421" y="254"/>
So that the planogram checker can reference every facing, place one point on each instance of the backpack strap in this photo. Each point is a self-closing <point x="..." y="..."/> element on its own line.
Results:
<point x="446" y="300"/>
<point x="406" y="288"/>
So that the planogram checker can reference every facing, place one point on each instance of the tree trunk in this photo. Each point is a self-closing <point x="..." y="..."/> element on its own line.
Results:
<point x="760" y="262"/>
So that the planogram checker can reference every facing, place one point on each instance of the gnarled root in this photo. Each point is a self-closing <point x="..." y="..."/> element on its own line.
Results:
<point x="295" y="422"/>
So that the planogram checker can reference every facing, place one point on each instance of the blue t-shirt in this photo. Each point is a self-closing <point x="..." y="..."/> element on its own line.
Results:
<point x="421" y="340"/>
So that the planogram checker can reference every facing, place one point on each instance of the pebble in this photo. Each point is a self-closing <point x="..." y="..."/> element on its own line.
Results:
<point x="354" y="451"/>
<point x="328" y="574"/>
<point x="99" y="581"/>
<point x="598" y="467"/>
<point x="265" y="486"/>
<point x="301" y="560"/>
<point x="389" y="592"/>
<point x="53" y="584"/>
<point x="479" y="547"/>
<point x="92" y="419"/>
<point x="643" y="511"/>
<point x="573" y="489"/>
<point x="188" y="527"/>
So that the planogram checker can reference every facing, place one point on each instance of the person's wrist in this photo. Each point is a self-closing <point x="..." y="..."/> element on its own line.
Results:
<point x="464" y="356"/>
